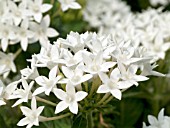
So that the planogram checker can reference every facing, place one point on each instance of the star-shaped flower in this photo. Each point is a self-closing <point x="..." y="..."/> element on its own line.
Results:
<point x="32" y="114"/>
<point x="69" y="99"/>
<point x="47" y="84"/>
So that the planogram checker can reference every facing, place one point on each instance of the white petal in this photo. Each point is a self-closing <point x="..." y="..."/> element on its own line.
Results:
<point x="53" y="73"/>
<point x="74" y="107"/>
<point x="4" y="44"/>
<point x="86" y="77"/>
<point x="152" y="120"/>
<point x="26" y="111"/>
<point x="115" y="74"/>
<point x="80" y="95"/>
<point x="39" y="110"/>
<point x="75" y="5"/>
<point x="45" y="7"/>
<point x="41" y="80"/>
<point x="70" y="89"/>
<point x="38" y="91"/>
<point x="60" y="94"/>
<point x="45" y="21"/>
<point x="2" y="102"/>
<point x="161" y="115"/>
<point x="67" y="72"/>
<point x="61" y="106"/>
<point x="103" y="77"/>
<point x="116" y="93"/>
<point x="23" y="122"/>
<point x="52" y="32"/>
<point x="24" y="44"/>
<point x="140" y="78"/>
<point x="33" y="104"/>
<point x="103" y="89"/>
<point x="38" y="17"/>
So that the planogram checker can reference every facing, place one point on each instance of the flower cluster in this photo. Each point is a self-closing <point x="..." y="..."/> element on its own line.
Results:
<point x="161" y="122"/>
<point x="105" y="12"/>
<point x="149" y="28"/>
<point x="110" y="67"/>
<point x="22" y="22"/>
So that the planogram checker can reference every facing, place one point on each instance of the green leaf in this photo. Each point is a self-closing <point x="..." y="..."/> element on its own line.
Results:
<point x="130" y="111"/>
<point x="79" y="122"/>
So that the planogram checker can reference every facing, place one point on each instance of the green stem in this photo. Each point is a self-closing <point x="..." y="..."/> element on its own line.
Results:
<point x="104" y="98"/>
<point x="96" y="82"/>
<point x="45" y="101"/>
<point x="17" y="53"/>
<point x="108" y="100"/>
<point x="89" y="119"/>
<point x="44" y="119"/>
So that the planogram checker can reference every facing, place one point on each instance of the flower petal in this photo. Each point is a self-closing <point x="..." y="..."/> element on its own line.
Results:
<point x="61" y="106"/>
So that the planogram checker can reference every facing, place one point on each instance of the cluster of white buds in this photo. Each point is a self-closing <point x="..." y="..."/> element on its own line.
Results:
<point x="76" y="62"/>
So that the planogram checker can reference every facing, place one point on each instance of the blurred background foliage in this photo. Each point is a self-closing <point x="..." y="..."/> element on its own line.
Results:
<point x="137" y="102"/>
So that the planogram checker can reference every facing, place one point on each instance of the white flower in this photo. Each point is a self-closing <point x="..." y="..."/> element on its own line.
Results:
<point x="69" y="99"/>
<point x="17" y="12"/>
<point x="23" y="34"/>
<point x="23" y="94"/>
<point x="49" y="56"/>
<point x="36" y="8"/>
<point x="32" y="115"/>
<point x="47" y="84"/>
<point x="96" y="64"/>
<point x="8" y="61"/>
<point x="111" y="84"/>
<point x="6" y="35"/>
<point x="31" y="73"/>
<point x="129" y="76"/>
<point x="161" y="122"/>
<point x="43" y="31"/>
<point x="66" y="4"/>
<point x="74" y="76"/>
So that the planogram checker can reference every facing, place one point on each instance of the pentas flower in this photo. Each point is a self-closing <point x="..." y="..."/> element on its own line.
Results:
<point x="17" y="12"/>
<point x="36" y="8"/>
<point x="23" y="34"/>
<point x="70" y="59"/>
<point x="111" y="84"/>
<point x="74" y="76"/>
<point x="42" y="31"/>
<point x="161" y="122"/>
<point x="74" y="41"/>
<point x="66" y="4"/>
<point x="69" y="98"/>
<point x="8" y="61"/>
<point x="32" y="115"/>
<point x="49" y="56"/>
<point x="32" y="72"/>
<point x="23" y="93"/>
<point x="96" y="64"/>
<point x="129" y="76"/>
<point x="47" y="84"/>
<point x="6" y="35"/>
